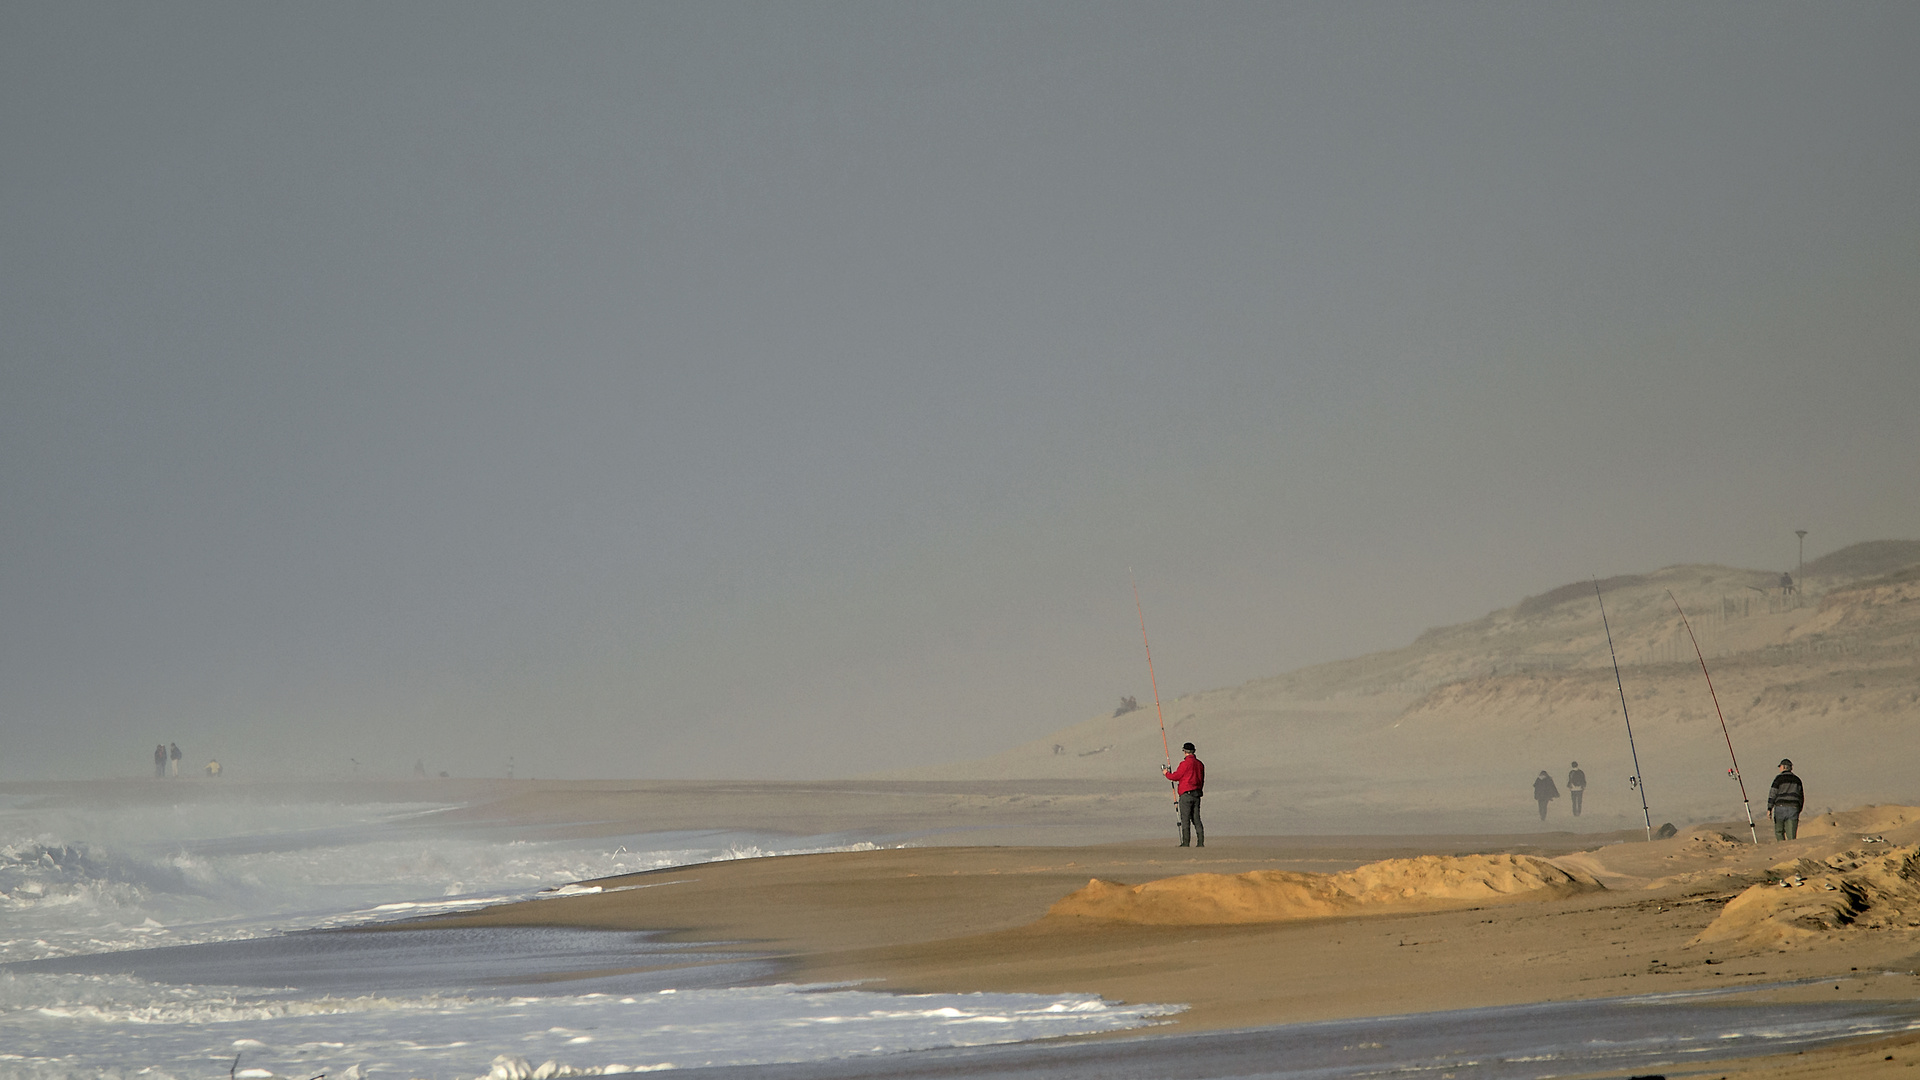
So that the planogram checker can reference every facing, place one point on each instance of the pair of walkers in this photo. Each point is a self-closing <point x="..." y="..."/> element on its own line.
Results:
<point x="1545" y="792"/>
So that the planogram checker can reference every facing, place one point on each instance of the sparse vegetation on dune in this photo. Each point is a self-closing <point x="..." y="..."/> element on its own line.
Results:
<point x="1456" y="723"/>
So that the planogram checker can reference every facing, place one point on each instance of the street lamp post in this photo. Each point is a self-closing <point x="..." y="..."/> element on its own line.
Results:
<point x="1802" y="534"/>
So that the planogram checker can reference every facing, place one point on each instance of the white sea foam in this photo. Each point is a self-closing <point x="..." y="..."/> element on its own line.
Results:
<point x="79" y="883"/>
<point x="95" y="1026"/>
<point x="84" y="883"/>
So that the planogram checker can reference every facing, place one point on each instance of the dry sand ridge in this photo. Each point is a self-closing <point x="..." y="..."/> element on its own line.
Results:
<point x="1427" y="882"/>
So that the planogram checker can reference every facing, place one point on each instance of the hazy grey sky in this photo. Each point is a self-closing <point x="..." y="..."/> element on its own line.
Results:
<point x="785" y="389"/>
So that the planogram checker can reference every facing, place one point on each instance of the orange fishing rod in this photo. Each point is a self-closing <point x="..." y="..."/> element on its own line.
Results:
<point x="1165" y="748"/>
<point x="1735" y="771"/>
<point x="1155" y="684"/>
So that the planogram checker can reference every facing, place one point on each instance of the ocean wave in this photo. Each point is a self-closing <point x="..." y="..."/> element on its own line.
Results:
<point x="85" y="881"/>
<point x="50" y="872"/>
<point x="112" y="879"/>
<point x="108" y="1000"/>
<point x="100" y="1024"/>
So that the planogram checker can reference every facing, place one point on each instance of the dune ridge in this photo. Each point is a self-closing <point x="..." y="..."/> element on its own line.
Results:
<point x="1854" y="889"/>
<point x="1448" y="732"/>
<point x="1425" y="882"/>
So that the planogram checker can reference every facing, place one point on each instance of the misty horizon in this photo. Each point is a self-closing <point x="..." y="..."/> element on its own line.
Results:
<point x="788" y="391"/>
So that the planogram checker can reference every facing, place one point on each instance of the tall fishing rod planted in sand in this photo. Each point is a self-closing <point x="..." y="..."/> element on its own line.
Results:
<point x="1155" y="684"/>
<point x="1735" y="771"/>
<point x="1636" y="781"/>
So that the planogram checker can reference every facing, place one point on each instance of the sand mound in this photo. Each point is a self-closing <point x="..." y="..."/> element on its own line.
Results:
<point x="1859" y="889"/>
<point x="1866" y="819"/>
<point x="1276" y="896"/>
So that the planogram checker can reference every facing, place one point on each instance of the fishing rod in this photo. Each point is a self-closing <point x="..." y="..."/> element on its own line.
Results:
<point x="1735" y="771"/>
<point x="1154" y="683"/>
<point x="1636" y="781"/>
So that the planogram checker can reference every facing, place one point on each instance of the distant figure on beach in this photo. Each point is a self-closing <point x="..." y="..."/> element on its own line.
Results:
<point x="213" y="768"/>
<point x="159" y="761"/>
<point x="1189" y="778"/>
<point x="1784" y="800"/>
<point x="1544" y="792"/>
<point x="1786" y="582"/>
<point x="173" y="759"/>
<point x="420" y="768"/>
<point x="1576" y="786"/>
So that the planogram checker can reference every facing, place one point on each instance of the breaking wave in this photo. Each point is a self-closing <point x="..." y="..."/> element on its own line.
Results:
<point x="78" y="888"/>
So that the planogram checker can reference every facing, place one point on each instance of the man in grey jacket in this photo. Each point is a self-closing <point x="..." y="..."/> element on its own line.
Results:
<point x="1784" y="800"/>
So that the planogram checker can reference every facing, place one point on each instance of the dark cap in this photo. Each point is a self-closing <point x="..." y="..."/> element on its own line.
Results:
<point x="1786" y="763"/>
<point x="1187" y="746"/>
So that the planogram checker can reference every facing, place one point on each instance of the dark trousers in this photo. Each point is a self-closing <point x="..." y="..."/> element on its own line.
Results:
<point x="1786" y="828"/>
<point x="1575" y="793"/>
<point x="1190" y="827"/>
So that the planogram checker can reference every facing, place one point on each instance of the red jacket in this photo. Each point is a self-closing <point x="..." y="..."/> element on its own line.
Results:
<point x="1189" y="774"/>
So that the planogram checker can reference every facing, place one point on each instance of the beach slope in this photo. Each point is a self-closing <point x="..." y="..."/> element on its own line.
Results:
<point x="1573" y="921"/>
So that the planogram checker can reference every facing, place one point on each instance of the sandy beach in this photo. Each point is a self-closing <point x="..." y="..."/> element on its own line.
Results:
<point x="1652" y="917"/>
<point x="1519" y="944"/>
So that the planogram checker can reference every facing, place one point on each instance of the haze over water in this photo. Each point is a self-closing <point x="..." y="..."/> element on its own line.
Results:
<point x="786" y="390"/>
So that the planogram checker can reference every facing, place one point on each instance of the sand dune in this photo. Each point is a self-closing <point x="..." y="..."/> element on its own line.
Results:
<point x="1425" y="883"/>
<point x="1447" y="732"/>
<point x="1851" y="890"/>
<point x="1871" y="884"/>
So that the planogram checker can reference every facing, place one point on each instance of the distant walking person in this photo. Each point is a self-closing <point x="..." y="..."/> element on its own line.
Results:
<point x="159" y="762"/>
<point x="1576" y="786"/>
<point x="1190" y="778"/>
<point x="1544" y="792"/>
<point x="173" y="759"/>
<point x="1784" y="800"/>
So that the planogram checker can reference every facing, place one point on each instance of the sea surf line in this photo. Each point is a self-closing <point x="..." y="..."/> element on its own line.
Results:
<point x="165" y="941"/>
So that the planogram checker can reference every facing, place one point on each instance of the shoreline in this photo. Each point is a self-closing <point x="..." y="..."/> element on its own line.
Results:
<point x="924" y="920"/>
<point x="974" y="919"/>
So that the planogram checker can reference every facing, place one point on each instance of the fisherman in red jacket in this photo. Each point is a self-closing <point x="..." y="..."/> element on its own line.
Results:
<point x="1190" y="776"/>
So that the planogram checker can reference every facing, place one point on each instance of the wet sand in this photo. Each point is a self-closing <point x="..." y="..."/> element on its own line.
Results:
<point x="505" y="960"/>
<point x="1613" y="1039"/>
